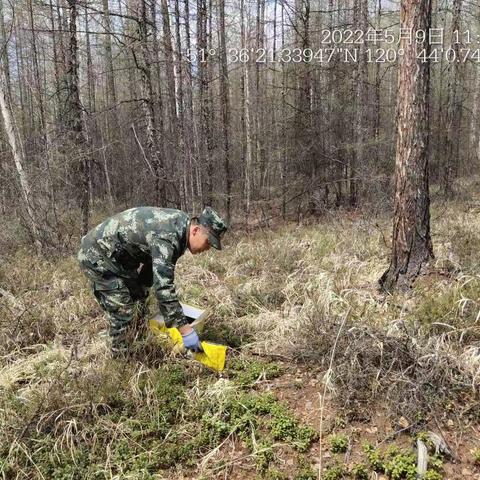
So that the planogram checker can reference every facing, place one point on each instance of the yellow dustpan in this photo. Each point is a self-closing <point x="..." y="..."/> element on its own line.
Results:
<point x="213" y="355"/>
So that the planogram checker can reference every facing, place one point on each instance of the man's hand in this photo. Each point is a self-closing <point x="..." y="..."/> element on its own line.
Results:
<point x="190" y="338"/>
<point x="185" y="329"/>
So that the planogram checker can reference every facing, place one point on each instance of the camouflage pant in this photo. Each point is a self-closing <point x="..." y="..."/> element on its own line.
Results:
<point x="124" y="300"/>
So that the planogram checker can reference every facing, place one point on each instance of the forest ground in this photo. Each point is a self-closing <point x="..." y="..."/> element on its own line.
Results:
<point x="323" y="371"/>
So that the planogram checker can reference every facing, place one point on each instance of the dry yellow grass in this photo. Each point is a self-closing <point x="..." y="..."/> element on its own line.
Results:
<point x="281" y="291"/>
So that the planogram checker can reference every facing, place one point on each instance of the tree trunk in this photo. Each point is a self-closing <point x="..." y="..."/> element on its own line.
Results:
<point x="4" y="52"/>
<point x="209" y="110"/>
<point x="284" y="171"/>
<point x="107" y="55"/>
<point x="248" y="120"/>
<point x="19" y="158"/>
<point x="56" y="60"/>
<point x="412" y="245"/>
<point x="164" y="148"/>
<point x="452" y="127"/>
<point x="111" y="120"/>
<point x="173" y="129"/>
<point x="73" y="115"/>
<point x="91" y="97"/>
<point x="184" y="191"/>
<point x="36" y="76"/>
<point x="225" y="101"/>
<point x="205" y="141"/>
<point x="360" y="106"/>
<point x="25" y="127"/>
<point x="378" y="79"/>
<point x="474" y="147"/>
<point x="192" y="141"/>
<point x="260" y="160"/>
<point x="168" y="52"/>
<point x="126" y="28"/>
<point x="153" y="143"/>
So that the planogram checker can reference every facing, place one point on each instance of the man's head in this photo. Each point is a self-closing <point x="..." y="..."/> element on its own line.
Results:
<point x="206" y="231"/>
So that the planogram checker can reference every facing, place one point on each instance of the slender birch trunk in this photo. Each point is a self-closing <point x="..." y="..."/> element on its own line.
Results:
<point x="18" y="158"/>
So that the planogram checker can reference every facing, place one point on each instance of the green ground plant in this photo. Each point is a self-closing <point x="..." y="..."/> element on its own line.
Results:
<point x="433" y="475"/>
<point x="374" y="457"/>
<point x="338" y="443"/>
<point x="335" y="472"/>
<point x="400" y="464"/>
<point x="360" y="472"/>
<point x="455" y="305"/>
<point x="246" y="372"/>
<point x="476" y="456"/>
<point x="305" y="471"/>
<point x="224" y="334"/>
<point x="274" y="474"/>
<point x="261" y="416"/>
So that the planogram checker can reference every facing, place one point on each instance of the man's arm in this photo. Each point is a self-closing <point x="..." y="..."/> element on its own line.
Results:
<point x="163" y="269"/>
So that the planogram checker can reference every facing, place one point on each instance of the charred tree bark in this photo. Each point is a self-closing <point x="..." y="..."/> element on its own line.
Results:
<point x="73" y="115"/>
<point x="411" y="245"/>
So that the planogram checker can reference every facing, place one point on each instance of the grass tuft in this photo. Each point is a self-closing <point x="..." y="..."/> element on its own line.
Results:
<point x="68" y="411"/>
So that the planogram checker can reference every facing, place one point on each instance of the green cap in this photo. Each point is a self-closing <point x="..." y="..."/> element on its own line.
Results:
<point x="215" y="225"/>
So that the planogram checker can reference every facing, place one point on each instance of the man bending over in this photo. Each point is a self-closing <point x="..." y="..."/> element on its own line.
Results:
<point x="135" y="249"/>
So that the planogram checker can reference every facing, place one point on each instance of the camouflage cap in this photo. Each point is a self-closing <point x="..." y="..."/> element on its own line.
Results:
<point x="215" y="225"/>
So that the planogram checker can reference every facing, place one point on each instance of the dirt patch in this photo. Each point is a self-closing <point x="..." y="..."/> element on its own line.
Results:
<point x="300" y="388"/>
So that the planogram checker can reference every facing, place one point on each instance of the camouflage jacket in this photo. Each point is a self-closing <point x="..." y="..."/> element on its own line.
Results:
<point x="143" y="235"/>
